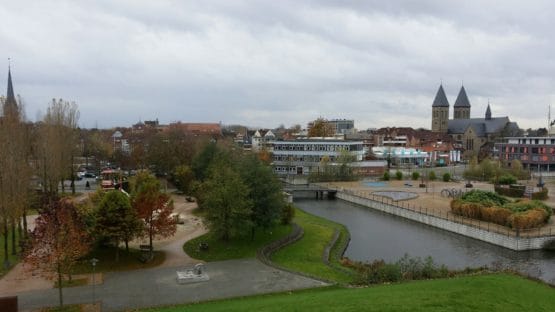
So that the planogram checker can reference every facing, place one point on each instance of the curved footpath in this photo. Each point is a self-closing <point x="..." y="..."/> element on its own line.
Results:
<point x="158" y="286"/>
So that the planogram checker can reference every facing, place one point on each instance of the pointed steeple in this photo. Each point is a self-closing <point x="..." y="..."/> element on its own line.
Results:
<point x="488" y="112"/>
<point x="462" y="99"/>
<point x="11" y="102"/>
<point x="440" y="99"/>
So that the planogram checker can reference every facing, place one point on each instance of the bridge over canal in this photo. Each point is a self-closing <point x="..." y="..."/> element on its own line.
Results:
<point x="309" y="190"/>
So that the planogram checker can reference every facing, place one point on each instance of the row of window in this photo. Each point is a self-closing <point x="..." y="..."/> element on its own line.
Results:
<point x="316" y="147"/>
<point x="310" y="158"/>
<point x="533" y="150"/>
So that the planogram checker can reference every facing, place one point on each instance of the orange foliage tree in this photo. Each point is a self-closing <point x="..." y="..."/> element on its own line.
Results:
<point x="58" y="241"/>
<point x="153" y="207"/>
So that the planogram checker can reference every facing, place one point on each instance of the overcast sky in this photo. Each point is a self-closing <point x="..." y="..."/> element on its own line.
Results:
<point x="266" y="63"/>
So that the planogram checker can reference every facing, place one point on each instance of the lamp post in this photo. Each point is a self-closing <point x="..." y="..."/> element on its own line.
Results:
<point x="94" y="261"/>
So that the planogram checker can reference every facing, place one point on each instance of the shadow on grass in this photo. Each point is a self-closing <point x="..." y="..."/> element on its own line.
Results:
<point x="107" y="260"/>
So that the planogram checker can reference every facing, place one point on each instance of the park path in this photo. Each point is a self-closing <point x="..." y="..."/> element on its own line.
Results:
<point x="22" y="279"/>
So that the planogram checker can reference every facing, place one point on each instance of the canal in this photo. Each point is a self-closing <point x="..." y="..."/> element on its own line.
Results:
<point x="376" y="235"/>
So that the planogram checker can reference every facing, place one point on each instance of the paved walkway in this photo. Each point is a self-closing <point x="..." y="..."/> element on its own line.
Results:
<point x="158" y="286"/>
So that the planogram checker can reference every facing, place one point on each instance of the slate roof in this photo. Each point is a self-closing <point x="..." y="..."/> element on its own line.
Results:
<point x="481" y="126"/>
<point x="462" y="99"/>
<point x="440" y="99"/>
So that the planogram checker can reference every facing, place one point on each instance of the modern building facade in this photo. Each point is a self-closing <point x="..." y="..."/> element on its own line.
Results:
<point x="535" y="153"/>
<point x="305" y="155"/>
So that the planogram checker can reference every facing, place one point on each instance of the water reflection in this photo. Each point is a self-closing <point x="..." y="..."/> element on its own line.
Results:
<point x="376" y="235"/>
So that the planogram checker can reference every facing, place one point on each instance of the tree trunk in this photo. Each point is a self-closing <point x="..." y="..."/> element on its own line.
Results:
<point x="127" y="245"/>
<point x="72" y="177"/>
<point x="117" y="251"/>
<point x="150" y="230"/>
<point x="252" y="233"/>
<point x="14" y="245"/>
<point x="6" y="251"/>
<point x="24" y="217"/>
<point x="60" y="285"/>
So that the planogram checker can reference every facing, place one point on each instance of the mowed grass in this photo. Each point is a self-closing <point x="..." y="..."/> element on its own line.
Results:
<point x="107" y="260"/>
<point x="14" y="259"/>
<point x="241" y="247"/>
<point x="305" y="255"/>
<point x="494" y="292"/>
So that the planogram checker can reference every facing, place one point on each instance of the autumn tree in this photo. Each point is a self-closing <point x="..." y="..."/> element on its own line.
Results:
<point x="321" y="128"/>
<point x="153" y="207"/>
<point x="202" y="161"/>
<point x="15" y="173"/>
<point x="57" y="143"/>
<point x="226" y="201"/>
<point x="116" y="220"/>
<point x="58" y="241"/>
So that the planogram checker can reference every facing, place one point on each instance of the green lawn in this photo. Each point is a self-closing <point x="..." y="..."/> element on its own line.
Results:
<point x="236" y="248"/>
<point x="494" y="292"/>
<point x="14" y="259"/>
<point x="107" y="263"/>
<point x="306" y="254"/>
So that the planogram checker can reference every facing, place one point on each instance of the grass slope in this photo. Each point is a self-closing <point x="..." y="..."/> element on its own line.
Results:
<point x="235" y="248"/>
<point x="495" y="292"/>
<point x="306" y="254"/>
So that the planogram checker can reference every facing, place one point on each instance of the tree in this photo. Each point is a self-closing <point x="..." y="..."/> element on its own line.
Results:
<point x="203" y="160"/>
<point x="15" y="173"/>
<point x="321" y="128"/>
<point x="58" y="241"/>
<point x="153" y="207"/>
<point x="56" y="145"/>
<point x="183" y="178"/>
<point x="265" y="193"/>
<point x="227" y="202"/>
<point x="116" y="220"/>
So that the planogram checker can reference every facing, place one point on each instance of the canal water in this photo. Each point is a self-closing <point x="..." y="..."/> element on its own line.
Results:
<point x="376" y="235"/>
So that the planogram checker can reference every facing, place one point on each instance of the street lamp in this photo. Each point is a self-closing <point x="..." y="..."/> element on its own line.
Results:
<point x="94" y="261"/>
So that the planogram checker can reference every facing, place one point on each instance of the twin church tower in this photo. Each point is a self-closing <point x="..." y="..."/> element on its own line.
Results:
<point x="440" y="110"/>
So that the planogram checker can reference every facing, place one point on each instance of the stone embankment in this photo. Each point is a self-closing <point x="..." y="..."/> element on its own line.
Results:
<point x="513" y="242"/>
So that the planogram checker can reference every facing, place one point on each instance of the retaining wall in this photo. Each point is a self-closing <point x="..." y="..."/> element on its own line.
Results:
<point x="510" y="242"/>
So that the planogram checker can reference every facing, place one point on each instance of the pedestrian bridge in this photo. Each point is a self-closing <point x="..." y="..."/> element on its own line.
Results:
<point x="309" y="191"/>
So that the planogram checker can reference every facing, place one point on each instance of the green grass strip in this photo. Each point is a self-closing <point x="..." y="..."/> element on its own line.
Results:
<point x="305" y="255"/>
<point x="494" y="292"/>
<point x="242" y="247"/>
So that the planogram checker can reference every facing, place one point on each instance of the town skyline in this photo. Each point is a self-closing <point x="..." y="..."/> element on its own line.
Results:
<point x="263" y="65"/>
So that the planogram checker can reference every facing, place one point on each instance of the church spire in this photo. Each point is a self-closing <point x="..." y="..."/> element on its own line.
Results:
<point x="11" y="102"/>
<point x="488" y="112"/>
<point x="440" y="99"/>
<point x="462" y="99"/>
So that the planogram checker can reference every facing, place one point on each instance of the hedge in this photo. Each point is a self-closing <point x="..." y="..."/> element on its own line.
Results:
<point x="509" y="191"/>
<point x="541" y="195"/>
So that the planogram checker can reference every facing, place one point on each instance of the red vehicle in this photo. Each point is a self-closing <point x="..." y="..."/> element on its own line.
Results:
<point x="108" y="177"/>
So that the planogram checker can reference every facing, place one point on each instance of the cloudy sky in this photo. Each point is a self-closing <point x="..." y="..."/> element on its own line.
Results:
<point x="266" y="63"/>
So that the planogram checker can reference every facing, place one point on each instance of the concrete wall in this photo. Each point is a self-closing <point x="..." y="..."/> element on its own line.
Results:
<point x="511" y="242"/>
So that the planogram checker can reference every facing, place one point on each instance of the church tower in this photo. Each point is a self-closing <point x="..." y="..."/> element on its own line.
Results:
<point x="488" y="112"/>
<point x="10" y="105"/>
<point x="440" y="111"/>
<point x="461" y="109"/>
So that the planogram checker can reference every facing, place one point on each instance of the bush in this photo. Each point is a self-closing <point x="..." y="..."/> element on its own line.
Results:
<point x="541" y="195"/>
<point x="386" y="176"/>
<point x="525" y="205"/>
<point x="287" y="214"/>
<point x="415" y="175"/>
<point x="399" y="175"/>
<point x="446" y="177"/>
<point x="484" y="197"/>
<point x="528" y="219"/>
<point x="497" y="215"/>
<point x="509" y="191"/>
<point x="432" y="176"/>
<point x="507" y="179"/>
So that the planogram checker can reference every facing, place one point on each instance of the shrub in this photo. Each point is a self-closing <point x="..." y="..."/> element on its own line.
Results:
<point x="386" y="176"/>
<point x="497" y="215"/>
<point x="432" y="176"/>
<point x="528" y="219"/>
<point x="525" y="205"/>
<point x="541" y="195"/>
<point x="399" y="175"/>
<point x="484" y="197"/>
<point x="509" y="191"/>
<point x="415" y="175"/>
<point x="507" y="179"/>
<point x="287" y="214"/>
<point x="446" y="177"/>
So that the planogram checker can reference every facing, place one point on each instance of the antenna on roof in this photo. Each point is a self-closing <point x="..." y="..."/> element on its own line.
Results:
<point x="9" y="63"/>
